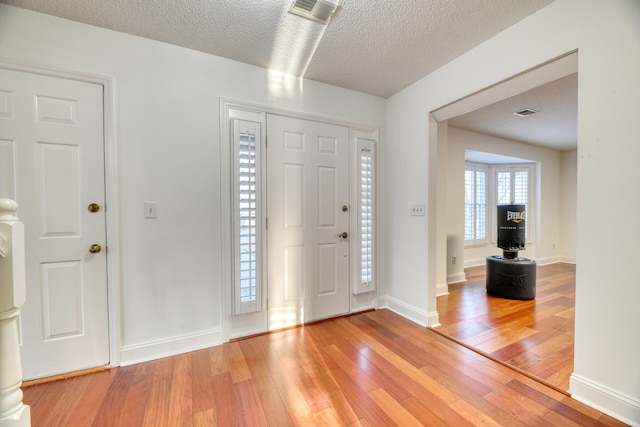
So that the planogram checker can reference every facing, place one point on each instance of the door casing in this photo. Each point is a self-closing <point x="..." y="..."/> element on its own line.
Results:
<point x="111" y="196"/>
<point x="236" y="327"/>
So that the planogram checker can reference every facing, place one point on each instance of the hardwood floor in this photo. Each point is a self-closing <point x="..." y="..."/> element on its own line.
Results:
<point x="536" y="336"/>
<point x="370" y="369"/>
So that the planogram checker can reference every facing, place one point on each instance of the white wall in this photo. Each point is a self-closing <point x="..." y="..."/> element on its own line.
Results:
<point x="568" y="203"/>
<point x="168" y="145"/>
<point x="607" y="37"/>
<point x="545" y="241"/>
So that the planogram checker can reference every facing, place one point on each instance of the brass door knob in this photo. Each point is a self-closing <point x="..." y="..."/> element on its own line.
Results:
<point x="95" y="248"/>
<point x="343" y="235"/>
<point x="93" y="207"/>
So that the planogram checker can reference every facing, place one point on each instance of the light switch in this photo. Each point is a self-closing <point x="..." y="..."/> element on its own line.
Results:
<point x="151" y="210"/>
<point x="417" y="210"/>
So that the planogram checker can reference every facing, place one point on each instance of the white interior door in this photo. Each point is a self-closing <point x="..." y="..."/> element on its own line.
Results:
<point x="307" y="186"/>
<point x="52" y="164"/>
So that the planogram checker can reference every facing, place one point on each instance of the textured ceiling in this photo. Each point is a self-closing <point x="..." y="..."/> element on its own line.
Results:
<point x="555" y="125"/>
<point x="373" y="46"/>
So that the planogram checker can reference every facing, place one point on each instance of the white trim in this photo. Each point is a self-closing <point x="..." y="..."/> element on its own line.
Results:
<point x="231" y="104"/>
<point x="111" y="189"/>
<point x="244" y="109"/>
<point x="442" y="289"/>
<point x="611" y="402"/>
<point x="152" y="350"/>
<point x="355" y="279"/>
<point x="546" y="260"/>
<point x="475" y="262"/>
<point x="546" y="72"/>
<point x="409" y="312"/>
<point x="456" y="278"/>
<point x="230" y="111"/>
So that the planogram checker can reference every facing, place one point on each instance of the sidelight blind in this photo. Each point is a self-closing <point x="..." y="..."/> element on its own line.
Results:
<point x="247" y="217"/>
<point x="366" y="219"/>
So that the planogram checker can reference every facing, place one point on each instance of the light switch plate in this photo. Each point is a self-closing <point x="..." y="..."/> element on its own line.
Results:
<point x="417" y="210"/>
<point x="151" y="210"/>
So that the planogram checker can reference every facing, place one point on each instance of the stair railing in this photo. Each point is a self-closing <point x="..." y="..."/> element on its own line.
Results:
<point x="13" y="412"/>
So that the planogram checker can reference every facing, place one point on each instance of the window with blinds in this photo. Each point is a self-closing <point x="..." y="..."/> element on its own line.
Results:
<point x="247" y="217"/>
<point x="365" y="214"/>
<point x="475" y="204"/>
<point x="513" y="187"/>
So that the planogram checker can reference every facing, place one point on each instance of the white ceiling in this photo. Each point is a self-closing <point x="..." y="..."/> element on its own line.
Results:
<point x="555" y="125"/>
<point x="373" y="46"/>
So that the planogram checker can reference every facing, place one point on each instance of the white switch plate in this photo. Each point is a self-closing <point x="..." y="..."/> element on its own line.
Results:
<point x="151" y="210"/>
<point x="417" y="210"/>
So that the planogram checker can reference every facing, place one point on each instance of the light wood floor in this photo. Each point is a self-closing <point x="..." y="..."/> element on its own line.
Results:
<point x="536" y="336"/>
<point x="370" y="369"/>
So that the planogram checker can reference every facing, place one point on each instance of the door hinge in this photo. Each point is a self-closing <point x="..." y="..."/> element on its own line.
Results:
<point x="266" y="223"/>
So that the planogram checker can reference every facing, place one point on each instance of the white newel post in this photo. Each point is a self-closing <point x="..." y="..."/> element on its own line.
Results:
<point x="13" y="413"/>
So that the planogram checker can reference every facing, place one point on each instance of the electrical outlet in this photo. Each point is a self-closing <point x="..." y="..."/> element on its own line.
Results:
<point x="417" y="210"/>
<point x="454" y="260"/>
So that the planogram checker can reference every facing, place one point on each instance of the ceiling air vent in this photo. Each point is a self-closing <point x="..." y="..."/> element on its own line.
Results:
<point x="317" y="10"/>
<point x="525" y="112"/>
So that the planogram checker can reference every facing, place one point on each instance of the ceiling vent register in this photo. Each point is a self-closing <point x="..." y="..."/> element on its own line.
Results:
<point x="525" y="112"/>
<point x="316" y="10"/>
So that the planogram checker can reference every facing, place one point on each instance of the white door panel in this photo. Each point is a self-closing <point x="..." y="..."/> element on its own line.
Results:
<point x="52" y="164"/>
<point x="307" y="185"/>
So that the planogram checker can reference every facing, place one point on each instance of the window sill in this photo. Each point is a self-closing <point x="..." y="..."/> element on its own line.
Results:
<point x="476" y="245"/>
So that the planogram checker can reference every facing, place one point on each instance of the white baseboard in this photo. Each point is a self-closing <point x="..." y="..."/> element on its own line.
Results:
<point x="442" y="289"/>
<point x="477" y="262"/>
<point x="546" y="260"/>
<point x="172" y="346"/>
<point x="433" y="319"/>
<point x="456" y="278"/>
<point x="407" y="311"/>
<point x="618" y="405"/>
<point x="540" y="261"/>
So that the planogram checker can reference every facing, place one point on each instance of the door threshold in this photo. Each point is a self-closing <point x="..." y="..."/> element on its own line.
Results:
<point x="301" y="325"/>
<point x="65" y="376"/>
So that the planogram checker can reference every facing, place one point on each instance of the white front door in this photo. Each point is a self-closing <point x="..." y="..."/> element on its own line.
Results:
<point x="52" y="164"/>
<point x="307" y="187"/>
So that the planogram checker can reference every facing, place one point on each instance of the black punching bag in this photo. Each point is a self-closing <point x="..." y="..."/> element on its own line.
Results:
<point x="511" y="229"/>
<point x="509" y="276"/>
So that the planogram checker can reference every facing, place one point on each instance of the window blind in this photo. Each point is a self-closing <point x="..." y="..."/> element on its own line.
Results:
<point x="366" y="215"/>
<point x="512" y="187"/>
<point x="247" y="217"/>
<point x="475" y="208"/>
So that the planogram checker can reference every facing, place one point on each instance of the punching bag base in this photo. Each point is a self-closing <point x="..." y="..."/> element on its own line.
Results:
<point x="511" y="278"/>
